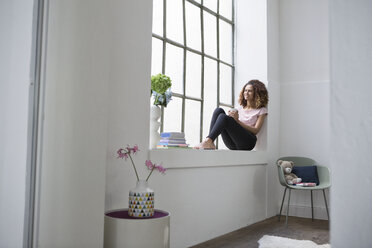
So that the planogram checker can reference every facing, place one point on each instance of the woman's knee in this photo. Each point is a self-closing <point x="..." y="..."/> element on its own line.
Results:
<point x="223" y="117"/>
<point x="219" y="111"/>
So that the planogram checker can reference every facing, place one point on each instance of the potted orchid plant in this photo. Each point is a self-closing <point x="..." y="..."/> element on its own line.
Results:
<point x="141" y="198"/>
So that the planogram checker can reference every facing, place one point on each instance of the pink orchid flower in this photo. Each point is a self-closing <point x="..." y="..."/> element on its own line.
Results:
<point x="133" y="149"/>
<point x="149" y="164"/>
<point x="122" y="153"/>
<point x="161" y="169"/>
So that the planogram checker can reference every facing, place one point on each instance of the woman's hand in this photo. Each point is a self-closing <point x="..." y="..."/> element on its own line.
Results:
<point x="234" y="114"/>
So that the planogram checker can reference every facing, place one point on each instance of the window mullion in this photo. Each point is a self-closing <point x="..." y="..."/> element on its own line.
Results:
<point x="202" y="72"/>
<point x="218" y="55"/>
<point x="226" y="105"/>
<point x="163" y="59"/>
<point x="184" y="67"/>
<point x="187" y="97"/>
<point x="232" y="54"/>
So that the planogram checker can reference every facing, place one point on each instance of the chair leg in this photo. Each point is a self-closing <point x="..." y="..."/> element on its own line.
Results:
<point x="312" y="206"/>
<point x="289" y="198"/>
<point x="281" y="207"/>
<point x="325" y="200"/>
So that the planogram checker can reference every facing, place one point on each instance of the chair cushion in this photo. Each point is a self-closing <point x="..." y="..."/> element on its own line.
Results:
<point x="308" y="174"/>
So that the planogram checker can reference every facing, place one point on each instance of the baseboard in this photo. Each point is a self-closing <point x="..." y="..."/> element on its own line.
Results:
<point x="305" y="212"/>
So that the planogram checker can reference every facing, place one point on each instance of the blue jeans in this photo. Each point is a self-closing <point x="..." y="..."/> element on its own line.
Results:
<point x="233" y="134"/>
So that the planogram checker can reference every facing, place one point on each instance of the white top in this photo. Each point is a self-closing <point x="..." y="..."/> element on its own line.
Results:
<point x="250" y="116"/>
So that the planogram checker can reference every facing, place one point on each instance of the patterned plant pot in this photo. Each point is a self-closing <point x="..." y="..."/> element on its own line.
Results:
<point x="141" y="201"/>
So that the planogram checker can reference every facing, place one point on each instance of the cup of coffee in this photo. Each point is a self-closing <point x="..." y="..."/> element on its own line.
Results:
<point x="233" y="110"/>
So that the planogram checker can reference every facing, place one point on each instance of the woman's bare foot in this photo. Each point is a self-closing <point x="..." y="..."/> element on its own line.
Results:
<point x="207" y="144"/>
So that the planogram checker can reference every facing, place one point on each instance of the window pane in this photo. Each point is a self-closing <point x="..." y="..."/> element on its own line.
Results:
<point x="157" y="17"/>
<point x="225" y="41"/>
<point x="193" y="75"/>
<point x="193" y="33"/>
<point x="210" y="34"/>
<point x="174" y="67"/>
<point x="173" y="115"/>
<point x="221" y="145"/>
<point x="226" y="8"/>
<point x="225" y="84"/>
<point x="157" y="55"/>
<point x="210" y="96"/>
<point x="211" y="4"/>
<point x="175" y="20"/>
<point x="192" y="122"/>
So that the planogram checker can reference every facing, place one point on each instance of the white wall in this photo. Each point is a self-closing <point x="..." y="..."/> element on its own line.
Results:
<point x="15" y="50"/>
<point x="273" y="74"/>
<point x="71" y="169"/>
<point x="351" y="122"/>
<point x="97" y="85"/>
<point x="207" y="202"/>
<point x="251" y="43"/>
<point x="304" y="90"/>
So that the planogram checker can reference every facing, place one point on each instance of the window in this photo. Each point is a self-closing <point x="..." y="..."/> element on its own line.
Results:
<point x="192" y="43"/>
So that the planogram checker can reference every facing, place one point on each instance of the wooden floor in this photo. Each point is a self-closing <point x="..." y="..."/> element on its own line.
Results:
<point x="298" y="228"/>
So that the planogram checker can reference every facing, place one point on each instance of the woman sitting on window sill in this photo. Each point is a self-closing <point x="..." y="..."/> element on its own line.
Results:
<point x="239" y="127"/>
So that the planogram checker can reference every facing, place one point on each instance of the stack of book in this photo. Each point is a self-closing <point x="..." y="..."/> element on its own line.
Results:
<point x="172" y="140"/>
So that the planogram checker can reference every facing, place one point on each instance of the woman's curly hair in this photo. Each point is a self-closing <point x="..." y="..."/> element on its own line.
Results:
<point x="261" y="95"/>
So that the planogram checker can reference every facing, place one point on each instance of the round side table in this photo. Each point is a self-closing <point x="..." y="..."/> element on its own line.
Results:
<point x="121" y="230"/>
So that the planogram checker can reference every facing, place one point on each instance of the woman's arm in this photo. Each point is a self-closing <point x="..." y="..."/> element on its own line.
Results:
<point x="256" y="128"/>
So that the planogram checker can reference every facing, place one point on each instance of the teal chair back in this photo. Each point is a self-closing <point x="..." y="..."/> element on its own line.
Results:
<point x="323" y="172"/>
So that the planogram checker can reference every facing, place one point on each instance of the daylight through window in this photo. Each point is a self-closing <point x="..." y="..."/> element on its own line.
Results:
<point x="192" y="43"/>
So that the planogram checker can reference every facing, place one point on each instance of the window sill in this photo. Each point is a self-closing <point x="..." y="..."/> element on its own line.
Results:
<point x="189" y="158"/>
